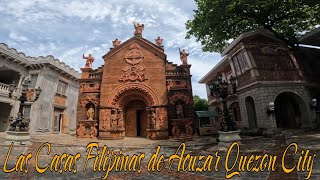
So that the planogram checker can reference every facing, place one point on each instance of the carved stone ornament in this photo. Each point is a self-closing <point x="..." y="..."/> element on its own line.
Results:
<point x="81" y="131"/>
<point x="179" y="96"/>
<point x="90" y="98"/>
<point x="87" y="129"/>
<point x="161" y="118"/>
<point x="134" y="56"/>
<point x="134" y="73"/>
<point x="117" y="122"/>
<point x="104" y="115"/>
<point x="89" y="87"/>
<point x="93" y="130"/>
<point x="132" y="91"/>
<point x="171" y="84"/>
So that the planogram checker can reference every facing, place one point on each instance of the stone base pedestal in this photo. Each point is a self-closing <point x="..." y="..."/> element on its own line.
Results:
<point x="227" y="138"/>
<point x="157" y="134"/>
<point x="18" y="137"/>
<point x="111" y="134"/>
<point x="269" y="132"/>
<point x="87" y="128"/>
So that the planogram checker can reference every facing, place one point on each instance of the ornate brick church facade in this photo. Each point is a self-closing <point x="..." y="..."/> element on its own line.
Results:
<point x="137" y="92"/>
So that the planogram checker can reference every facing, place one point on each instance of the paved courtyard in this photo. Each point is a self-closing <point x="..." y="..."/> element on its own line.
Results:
<point x="198" y="146"/>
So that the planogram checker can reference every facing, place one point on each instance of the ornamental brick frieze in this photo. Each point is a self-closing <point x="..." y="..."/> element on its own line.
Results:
<point x="89" y="87"/>
<point x="180" y="84"/>
<point x="179" y="96"/>
<point x="89" y="98"/>
<point x="59" y="100"/>
<point x="133" y="73"/>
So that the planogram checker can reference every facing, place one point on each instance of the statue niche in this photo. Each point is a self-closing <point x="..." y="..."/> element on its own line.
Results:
<point x="180" y="110"/>
<point x="87" y="127"/>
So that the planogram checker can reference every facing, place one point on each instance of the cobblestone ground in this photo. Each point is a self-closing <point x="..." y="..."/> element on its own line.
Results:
<point x="198" y="146"/>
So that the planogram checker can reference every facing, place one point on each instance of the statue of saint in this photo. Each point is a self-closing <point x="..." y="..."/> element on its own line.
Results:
<point x="120" y="119"/>
<point x="183" y="56"/>
<point x="114" y="119"/>
<point x="179" y="110"/>
<point x="89" y="60"/>
<point x="116" y="42"/>
<point x="159" y="41"/>
<point x="90" y="113"/>
<point x="153" y="118"/>
<point x="138" y="28"/>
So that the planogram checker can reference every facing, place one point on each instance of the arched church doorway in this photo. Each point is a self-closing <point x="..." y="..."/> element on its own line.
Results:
<point x="136" y="119"/>
<point x="290" y="110"/>
<point x="251" y="112"/>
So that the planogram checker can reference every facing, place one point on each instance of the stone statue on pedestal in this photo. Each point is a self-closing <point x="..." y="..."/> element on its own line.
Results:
<point x="183" y="56"/>
<point x="138" y="28"/>
<point x="89" y="60"/>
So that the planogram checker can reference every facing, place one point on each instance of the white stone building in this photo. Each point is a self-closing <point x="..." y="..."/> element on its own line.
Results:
<point x="55" y="110"/>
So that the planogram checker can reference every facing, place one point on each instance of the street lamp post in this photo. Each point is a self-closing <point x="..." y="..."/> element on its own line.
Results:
<point x="219" y="87"/>
<point x="19" y="126"/>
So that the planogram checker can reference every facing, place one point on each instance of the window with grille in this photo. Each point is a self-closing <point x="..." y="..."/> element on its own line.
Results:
<point x="240" y="63"/>
<point x="62" y="87"/>
<point x="34" y="78"/>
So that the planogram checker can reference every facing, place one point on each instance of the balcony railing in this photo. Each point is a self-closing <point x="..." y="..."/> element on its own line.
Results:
<point x="267" y="74"/>
<point x="4" y="88"/>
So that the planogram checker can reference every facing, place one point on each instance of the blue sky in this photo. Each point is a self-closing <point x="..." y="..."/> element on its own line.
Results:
<point x="67" y="29"/>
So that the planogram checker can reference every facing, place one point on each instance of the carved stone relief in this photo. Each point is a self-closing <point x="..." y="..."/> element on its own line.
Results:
<point x="89" y="98"/>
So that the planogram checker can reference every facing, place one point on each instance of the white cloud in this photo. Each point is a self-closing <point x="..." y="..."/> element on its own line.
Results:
<point x="19" y="38"/>
<point x="67" y="29"/>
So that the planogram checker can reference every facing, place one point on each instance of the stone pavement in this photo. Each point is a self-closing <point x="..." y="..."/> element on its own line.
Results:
<point x="198" y="146"/>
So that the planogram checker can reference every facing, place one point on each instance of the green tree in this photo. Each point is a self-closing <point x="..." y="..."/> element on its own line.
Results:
<point x="200" y="104"/>
<point x="217" y="21"/>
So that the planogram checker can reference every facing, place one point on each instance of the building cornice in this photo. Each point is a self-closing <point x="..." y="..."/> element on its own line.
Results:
<point x="32" y="62"/>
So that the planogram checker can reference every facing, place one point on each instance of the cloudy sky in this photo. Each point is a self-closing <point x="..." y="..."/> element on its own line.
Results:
<point x="67" y="29"/>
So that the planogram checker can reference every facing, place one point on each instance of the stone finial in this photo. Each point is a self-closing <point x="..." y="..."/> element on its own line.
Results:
<point x="159" y="41"/>
<point x="183" y="56"/>
<point x="138" y="28"/>
<point x="116" y="42"/>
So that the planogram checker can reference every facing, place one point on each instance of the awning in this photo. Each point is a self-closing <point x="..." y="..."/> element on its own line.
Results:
<point x="207" y="113"/>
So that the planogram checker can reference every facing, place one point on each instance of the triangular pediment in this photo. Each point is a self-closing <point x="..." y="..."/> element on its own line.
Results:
<point x="142" y="42"/>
